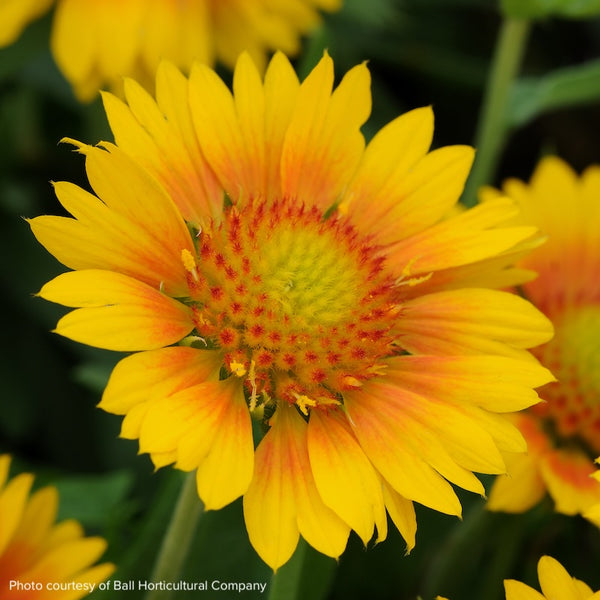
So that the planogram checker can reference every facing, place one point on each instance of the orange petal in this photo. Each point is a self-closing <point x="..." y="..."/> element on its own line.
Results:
<point x="396" y="450"/>
<point x="496" y="383"/>
<point x="567" y="475"/>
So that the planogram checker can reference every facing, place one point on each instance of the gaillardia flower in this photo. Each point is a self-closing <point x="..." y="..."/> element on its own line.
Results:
<point x="555" y="583"/>
<point x="563" y="433"/>
<point x="97" y="42"/>
<point x="39" y="559"/>
<point x="264" y="263"/>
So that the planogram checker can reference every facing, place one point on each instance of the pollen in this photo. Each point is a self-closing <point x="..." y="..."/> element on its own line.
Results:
<point x="189" y="263"/>
<point x="303" y="282"/>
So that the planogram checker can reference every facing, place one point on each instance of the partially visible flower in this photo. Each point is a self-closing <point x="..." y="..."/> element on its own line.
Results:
<point x="16" y="14"/>
<point x="264" y="262"/>
<point x="563" y="433"/>
<point x="555" y="583"/>
<point x="97" y="42"/>
<point x="44" y="560"/>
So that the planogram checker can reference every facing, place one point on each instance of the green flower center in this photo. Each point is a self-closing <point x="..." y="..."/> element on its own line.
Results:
<point x="574" y="357"/>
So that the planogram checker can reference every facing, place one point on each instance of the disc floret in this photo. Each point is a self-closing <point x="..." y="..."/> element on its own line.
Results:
<point x="301" y="305"/>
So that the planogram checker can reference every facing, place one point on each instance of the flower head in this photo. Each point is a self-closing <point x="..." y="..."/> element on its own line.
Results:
<point x="263" y="263"/>
<point x="555" y="582"/>
<point x="563" y="433"/>
<point x="97" y="42"/>
<point x="39" y="559"/>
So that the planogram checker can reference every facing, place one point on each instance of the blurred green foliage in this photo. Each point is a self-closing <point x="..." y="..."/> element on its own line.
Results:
<point x="535" y="9"/>
<point x="420" y="52"/>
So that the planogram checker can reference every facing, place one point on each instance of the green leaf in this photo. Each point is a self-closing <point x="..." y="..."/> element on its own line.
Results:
<point x="91" y="499"/>
<point x="532" y="96"/>
<point x="535" y="9"/>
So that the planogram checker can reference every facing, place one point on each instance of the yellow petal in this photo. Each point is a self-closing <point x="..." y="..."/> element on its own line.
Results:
<point x="127" y="189"/>
<point x="281" y="90"/>
<point x="515" y="590"/>
<point x="16" y="14"/>
<point x="38" y="518"/>
<point x="467" y="238"/>
<point x="387" y="442"/>
<point x="100" y="238"/>
<point x="65" y="531"/>
<point x="520" y="489"/>
<point x="249" y="100"/>
<point x="282" y="499"/>
<point x="345" y="478"/>
<point x="66" y="560"/>
<point x="157" y="373"/>
<point x="402" y="512"/>
<point x="4" y="469"/>
<point x="13" y="499"/>
<point x="472" y="321"/>
<point x="323" y="144"/>
<point x="218" y="131"/>
<point x="66" y="35"/>
<point x="226" y="471"/>
<point x="119" y="313"/>
<point x="555" y="581"/>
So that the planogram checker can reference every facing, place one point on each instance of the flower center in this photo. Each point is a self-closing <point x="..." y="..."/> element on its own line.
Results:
<point x="300" y="305"/>
<point x="574" y="357"/>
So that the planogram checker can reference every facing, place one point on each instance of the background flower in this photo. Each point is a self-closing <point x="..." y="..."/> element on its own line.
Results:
<point x="555" y="582"/>
<point x="95" y="43"/>
<point x="563" y="433"/>
<point x="36" y="550"/>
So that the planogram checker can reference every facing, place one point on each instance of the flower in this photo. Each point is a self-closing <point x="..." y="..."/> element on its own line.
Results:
<point x="555" y="582"/>
<point x="261" y="261"/>
<point x="563" y="433"/>
<point x="39" y="559"/>
<point x="97" y="42"/>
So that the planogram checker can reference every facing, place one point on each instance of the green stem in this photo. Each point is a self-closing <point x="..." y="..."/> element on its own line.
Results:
<point x="492" y="127"/>
<point x="285" y="583"/>
<point x="447" y="561"/>
<point x="308" y="574"/>
<point x="178" y="538"/>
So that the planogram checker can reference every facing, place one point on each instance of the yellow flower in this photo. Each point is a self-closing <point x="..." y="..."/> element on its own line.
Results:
<point x="555" y="582"/>
<point x="97" y="42"/>
<point x="263" y="262"/>
<point x="41" y="560"/>
<point x="563" y="433"/>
